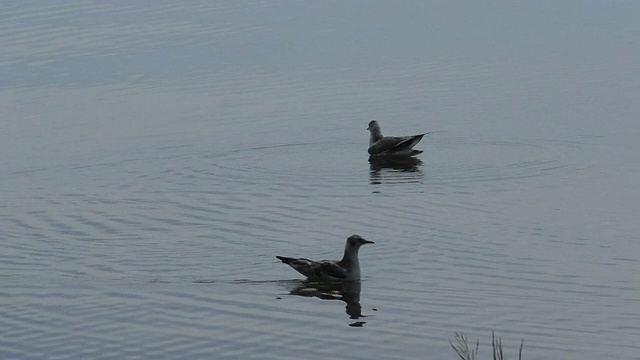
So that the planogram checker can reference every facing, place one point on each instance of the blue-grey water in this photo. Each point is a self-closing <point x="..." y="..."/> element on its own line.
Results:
<point x="156" y="156"/>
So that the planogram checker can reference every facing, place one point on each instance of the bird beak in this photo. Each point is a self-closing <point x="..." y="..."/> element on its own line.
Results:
<point x="364" y="241"/>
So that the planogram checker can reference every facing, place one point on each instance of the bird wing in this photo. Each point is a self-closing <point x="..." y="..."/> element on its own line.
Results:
<point x="304" y="266"/>
<point x="330" y="270"/>
<point x="322" y="270"/>
<point x="393" y="144"/>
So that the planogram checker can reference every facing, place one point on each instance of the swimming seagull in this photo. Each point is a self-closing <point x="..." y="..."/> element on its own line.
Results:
<point x="391" y="145"/>
<point x="347" y="269"/>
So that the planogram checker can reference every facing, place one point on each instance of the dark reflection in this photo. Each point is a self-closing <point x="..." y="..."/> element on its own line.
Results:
<point x="348" y="291"/>
<point x="394" y="169"/>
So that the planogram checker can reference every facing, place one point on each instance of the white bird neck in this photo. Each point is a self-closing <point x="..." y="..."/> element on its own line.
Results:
<point x="375" y="135"/>
<point x="350" y="257"/>
<point x="350" y="262"/>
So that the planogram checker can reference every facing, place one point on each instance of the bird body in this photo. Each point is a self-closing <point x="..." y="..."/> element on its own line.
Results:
<point x="380" y="145"/>
<point x="347" y="269"/>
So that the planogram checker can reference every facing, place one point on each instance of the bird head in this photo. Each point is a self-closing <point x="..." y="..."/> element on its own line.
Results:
<point x="373" y="126"/>
<point x="355" y="241"/>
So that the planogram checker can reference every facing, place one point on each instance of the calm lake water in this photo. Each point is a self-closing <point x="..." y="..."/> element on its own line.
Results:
<point x="156" y="156"/>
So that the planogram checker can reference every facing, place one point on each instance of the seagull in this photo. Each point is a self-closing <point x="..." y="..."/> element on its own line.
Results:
<point x="347" y="269"/>
<point x="391" y="145"/>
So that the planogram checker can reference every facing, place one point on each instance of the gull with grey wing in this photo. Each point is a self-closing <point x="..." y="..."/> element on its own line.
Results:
<point x="380" y="145"/>
<point x="347" y="269"/>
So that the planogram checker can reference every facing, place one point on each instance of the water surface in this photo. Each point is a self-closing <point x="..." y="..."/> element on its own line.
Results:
<point x="157" y="156"/>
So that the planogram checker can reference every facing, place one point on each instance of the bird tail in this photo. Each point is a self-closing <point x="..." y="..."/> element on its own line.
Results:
<point x="284" y="259"/>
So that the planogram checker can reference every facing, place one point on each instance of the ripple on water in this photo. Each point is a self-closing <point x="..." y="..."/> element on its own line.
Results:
<point x="298" y="166"/>
<point x="476" y="164"/>
<point x="156" y="189"/>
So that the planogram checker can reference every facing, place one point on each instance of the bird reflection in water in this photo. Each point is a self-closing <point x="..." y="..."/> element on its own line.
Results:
<point x="398" y="169"/>
<point x="347" y="291"/>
